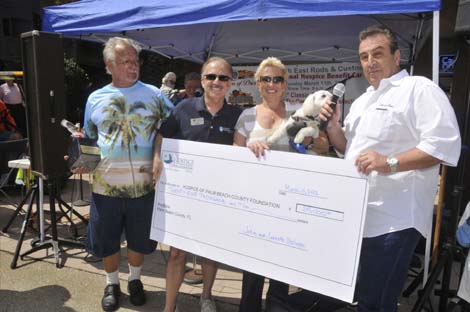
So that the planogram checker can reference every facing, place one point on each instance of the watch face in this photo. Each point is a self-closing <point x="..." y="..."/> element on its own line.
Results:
<point x="392" y="163"/>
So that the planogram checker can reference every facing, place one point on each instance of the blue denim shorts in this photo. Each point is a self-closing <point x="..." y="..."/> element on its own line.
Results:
<point x="111" y="216"/>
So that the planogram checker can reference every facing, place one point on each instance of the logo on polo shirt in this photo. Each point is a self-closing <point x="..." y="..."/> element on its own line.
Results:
<point x="225" y="129"/>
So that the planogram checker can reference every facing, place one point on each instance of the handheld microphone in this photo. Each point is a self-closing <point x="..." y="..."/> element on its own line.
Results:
<point x="198" y="92"/>
<point x="68" y="125"/>
<point x="338" y="92"/>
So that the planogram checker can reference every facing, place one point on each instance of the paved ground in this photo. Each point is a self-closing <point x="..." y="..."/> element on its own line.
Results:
<point x="78" y="285"/>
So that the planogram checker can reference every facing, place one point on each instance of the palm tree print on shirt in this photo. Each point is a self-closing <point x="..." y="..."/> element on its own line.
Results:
<point x="122" y="121"/>
<point x="153" y="121"/>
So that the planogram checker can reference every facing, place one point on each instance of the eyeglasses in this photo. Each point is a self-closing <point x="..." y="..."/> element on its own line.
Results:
<point x="275" y="79"/>
<point x="213" y="77"/>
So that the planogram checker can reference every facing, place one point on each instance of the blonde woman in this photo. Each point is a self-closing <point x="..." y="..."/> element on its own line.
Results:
<point x="254" y="126"/>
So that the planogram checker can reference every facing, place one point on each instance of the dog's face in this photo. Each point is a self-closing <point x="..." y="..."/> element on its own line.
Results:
<point x="314" y="102"/>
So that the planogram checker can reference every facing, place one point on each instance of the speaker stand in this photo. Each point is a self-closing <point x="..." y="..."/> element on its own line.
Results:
<point x="44" y="242"/>
<point x="19" y="208"/>
<point x="67" y="214"/>
<point x="445" y="260"/>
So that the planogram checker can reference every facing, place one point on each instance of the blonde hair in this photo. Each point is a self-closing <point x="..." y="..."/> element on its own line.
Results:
<point x="273" y="62"/>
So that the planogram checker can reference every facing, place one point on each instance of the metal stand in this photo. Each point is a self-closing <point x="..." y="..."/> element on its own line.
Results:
<point x="68" y="215"/>
<point x="44" y="242"/>
<point x="445" y="260"/>
<point x="28" y="195"/>
<point x="80" y="202"/>
<point x="38" y="188"/>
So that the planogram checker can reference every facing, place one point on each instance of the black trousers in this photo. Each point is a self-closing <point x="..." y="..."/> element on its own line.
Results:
<point x="252" y="292"/>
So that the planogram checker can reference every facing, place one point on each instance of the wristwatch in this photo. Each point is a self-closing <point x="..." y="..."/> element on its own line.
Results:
<point x="392" y="163"/>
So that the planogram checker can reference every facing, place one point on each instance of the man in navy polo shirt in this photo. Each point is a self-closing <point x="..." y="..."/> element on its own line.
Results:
<point x="205" y="119"/>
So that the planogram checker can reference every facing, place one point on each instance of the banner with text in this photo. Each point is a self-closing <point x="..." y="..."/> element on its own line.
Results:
<point x="303" y="80"/>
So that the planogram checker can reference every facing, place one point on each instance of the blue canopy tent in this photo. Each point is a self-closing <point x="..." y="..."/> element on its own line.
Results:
<point x="247" y="31"/>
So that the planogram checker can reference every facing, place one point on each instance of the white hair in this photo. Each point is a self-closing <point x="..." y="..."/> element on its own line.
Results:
<point x="168" y="76"/>
<point x="109" y="51"/>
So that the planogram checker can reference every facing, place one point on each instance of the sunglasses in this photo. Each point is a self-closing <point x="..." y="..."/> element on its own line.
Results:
<point x="213" y="77"/>
<point x="268" y="79"/>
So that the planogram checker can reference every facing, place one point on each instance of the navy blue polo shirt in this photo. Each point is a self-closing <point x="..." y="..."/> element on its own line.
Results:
<point x="190" y="120"/>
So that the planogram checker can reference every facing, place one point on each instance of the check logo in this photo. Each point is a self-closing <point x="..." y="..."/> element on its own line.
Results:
<point x="168" y="159"/>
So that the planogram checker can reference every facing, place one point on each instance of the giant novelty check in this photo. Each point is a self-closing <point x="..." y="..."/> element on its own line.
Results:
<point x="292" y="217"/>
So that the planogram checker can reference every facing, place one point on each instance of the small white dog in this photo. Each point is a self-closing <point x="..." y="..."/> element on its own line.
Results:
<point x="306" y="116"/>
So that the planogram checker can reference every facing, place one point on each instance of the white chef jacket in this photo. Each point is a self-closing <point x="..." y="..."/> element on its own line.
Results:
<point x="403" y="113"/>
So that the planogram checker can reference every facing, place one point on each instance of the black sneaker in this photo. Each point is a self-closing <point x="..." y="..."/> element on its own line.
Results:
<point x="136" y="292"/>
<point x="110" y="301"/>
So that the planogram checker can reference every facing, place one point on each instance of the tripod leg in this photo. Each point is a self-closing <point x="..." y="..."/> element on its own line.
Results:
<point x="443" y="258"/>
<point x="17" y="211"/>
<point x="55" y="243"/>
<point x="446" y="274"/>
<point x="413" y="285"/>
<point x="69" y="219"/>
<point x="78" y="215"/>
<point x="23" y="230"/>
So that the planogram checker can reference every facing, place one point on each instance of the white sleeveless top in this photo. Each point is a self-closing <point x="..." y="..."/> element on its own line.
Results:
<point x="248" y="127"/>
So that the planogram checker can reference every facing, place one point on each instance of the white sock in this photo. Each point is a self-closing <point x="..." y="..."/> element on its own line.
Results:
<point x="112" y="278"/>
<point x="134" y="272"/>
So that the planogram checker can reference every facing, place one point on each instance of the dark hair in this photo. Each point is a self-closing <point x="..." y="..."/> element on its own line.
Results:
<point x="192" y="76"/>
<point x="380" y="29"/>
<point x="217" y="59"/>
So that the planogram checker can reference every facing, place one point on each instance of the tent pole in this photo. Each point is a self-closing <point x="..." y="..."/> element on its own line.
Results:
<point x="418" y="35"/>
<point x="435" y="78"/>
<point x="435" y="47"/>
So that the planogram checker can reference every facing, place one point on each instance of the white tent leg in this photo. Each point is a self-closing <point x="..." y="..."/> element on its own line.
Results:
<point x="435" y="47"/>
<point x="435" y="78"/>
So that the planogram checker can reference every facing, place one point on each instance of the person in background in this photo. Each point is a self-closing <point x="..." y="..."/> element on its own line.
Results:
<point x="168" y="87"/>
<point x="8" y="130"/>
<point x="11" y="95"/>
<point x="463" y="237"/>
<point x="123" y="116"/>
<point x="253" y="128"/>
<point x="203" y="119"/>
<point x="397" y="133"/>
<point x="192" y="85"/>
